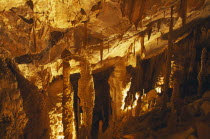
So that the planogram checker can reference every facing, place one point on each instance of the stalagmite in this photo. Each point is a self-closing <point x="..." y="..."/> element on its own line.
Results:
<point x="86" y="94"/>
<point x="68" y="99"/>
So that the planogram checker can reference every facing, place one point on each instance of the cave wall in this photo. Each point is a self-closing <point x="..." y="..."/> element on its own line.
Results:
<point x="35" y="106"/>
<point x="13" y="117"/>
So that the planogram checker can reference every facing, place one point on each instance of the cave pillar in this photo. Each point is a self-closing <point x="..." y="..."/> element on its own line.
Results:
<point x="168" y="60"/>
<point x="68" y="99"/>
<point x="86" y="94"/>
<point x="175" y="98"/>
<point x="118" y="82"/>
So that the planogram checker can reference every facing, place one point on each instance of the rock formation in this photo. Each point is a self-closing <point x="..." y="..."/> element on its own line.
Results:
<point x="100" y="69"/>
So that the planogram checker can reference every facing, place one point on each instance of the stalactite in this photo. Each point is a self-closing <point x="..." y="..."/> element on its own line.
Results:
<point x="85" y="36"/>
<point x="134" y="10"/>
<point x="34" y="39"/>
<point x="86" y="94"/>
<point x="143" y="50"/>
<point x="158" y="25"/>
<point x="122" y="7"/>
<point x="108" y="47"/>
<point x="149" y="32"/>
<point x="67" y="99"/>
<point x="164" y="14"/>
<point x="131" y="48"/>
<point x="202" y="71"/>
<point x="142" y="8"/>
<point x="101" y="51"/>
<point x="134" y="47"/>
<point x="193" y="54"/>
<point x="127" y="8"/>
<point x="183" y="11"/>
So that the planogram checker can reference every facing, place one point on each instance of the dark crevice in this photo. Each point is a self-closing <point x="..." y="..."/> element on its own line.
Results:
<point x="74" y="78"/>
<point x="96" y="7"/>
<point x="102" y="109"/>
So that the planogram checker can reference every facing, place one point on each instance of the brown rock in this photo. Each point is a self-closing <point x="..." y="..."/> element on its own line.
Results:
<point x="206" y="95"/>
<point x="203" y="130"/>
<point x="205" y="107"/>
<point x="192" y="137"/>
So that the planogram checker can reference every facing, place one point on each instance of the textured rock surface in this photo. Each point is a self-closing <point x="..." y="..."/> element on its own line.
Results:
<point x="13" y="117"/>
<point x="119" y="48"/>
<point x="86" y="90"/>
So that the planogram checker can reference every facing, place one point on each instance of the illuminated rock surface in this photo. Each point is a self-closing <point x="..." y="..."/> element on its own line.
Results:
<point x="104" y="69"/>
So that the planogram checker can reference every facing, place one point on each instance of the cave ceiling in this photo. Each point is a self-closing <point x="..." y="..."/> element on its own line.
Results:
<point x="100" y="32"/>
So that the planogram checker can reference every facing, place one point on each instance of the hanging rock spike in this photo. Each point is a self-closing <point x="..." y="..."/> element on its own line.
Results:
<point x="101" y="51"/>
<point x="183" y="11"/>
<point x="149" y="32"/>
<point x="158" y="25"/>
<point x="134" y="49"/>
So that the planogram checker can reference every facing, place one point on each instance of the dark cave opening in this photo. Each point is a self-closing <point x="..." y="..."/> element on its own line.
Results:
<point x="102" y="109"/>
<point x="74" y="78"/>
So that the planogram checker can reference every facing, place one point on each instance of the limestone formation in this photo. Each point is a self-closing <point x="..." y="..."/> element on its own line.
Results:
<point x="104" y="69"/>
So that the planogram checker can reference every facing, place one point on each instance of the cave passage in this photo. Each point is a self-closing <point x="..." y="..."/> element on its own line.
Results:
<point x="102" y="109"/>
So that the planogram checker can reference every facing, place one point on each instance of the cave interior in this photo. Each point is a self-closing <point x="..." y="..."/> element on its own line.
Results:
<point x="104" y="69"/>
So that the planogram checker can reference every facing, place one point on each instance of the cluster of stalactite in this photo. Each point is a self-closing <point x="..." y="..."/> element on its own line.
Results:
<point x="184" y="46"/>
<point x="144" y="76"/>
<point x="190" y="57"/>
